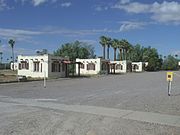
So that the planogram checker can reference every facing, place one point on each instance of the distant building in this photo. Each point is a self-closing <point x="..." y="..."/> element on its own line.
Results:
<point x="120" y="66"/>
<point x="42" y="66"/>
<point x="139" y="66"/>
<point x="127" y="66"/>
<point x="92" y="66"/>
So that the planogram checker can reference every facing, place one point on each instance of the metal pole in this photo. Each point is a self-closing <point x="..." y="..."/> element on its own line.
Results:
<point x="13" y="57"/>
<point x="44" y="76"/>
<point x="169" y="88"/>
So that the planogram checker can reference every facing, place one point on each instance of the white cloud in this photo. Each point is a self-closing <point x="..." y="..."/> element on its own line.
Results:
<point x="166" y="12"/>
<point x="177" y="52"/>
<point x="38" y="2"/>
<point x="127" y="25"/>
<point x="3" y="5"/>
<point x="89" y="41"/>
<point x="66" y="4"/>
<point x="134" y="7"/>
<point x="101" y="8"/>
<point x="27" y="35"/>
<point x="24" y="51"/>
<point x="17" y="50"/>
<point x="53" y="1"/>
<point x="98" y="8"/>
<point x="124" y="1"/>
<point x="21" y="35"/>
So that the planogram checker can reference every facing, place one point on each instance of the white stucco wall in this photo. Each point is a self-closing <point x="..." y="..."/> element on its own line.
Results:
<point x="140" y="66"/>
<point x="98" y="63"/>
<point x="179" y="63"/>
<point x="146" y="64"/>
<point x="45" y="61"/>
<point x="56" y="74"/>
<point x="124" y="66"/>
<point x="15" y="66"/>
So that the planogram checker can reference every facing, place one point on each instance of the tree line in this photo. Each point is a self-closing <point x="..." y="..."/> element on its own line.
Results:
<point x="123" y="50"/>
<point x="126" y="51"/>
<point x="129" y="52"/>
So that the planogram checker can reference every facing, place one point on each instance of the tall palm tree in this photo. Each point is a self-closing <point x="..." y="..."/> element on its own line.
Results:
<point x="108" y="40"/>
<point x="11" y="43"/>
<point x="114" y="44"/>
<point x="105" y="41"/>
<point x="130" y="51"/>
<point x="126" y="48"/>
<point x="121" y="47"/>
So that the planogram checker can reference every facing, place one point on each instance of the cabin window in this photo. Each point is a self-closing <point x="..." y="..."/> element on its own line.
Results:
<point x="136" y="67"/>
<point x="55" y="66"/>
<point x="23" y="65"/>
<point x="119" y="67"/>
<point x="82" y="66"/>
<point x="36" y="66"/>
<point x="91" y="66"/>
<point x="41" y="67"/>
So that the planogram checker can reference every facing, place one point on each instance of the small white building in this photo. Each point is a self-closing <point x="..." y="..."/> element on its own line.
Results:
<point x="139" y="66"/>
<point x="15" y="64"/>
<point x="42" y="65"/>
<point x="118" y="66"/>
<point x="92" y="66"/>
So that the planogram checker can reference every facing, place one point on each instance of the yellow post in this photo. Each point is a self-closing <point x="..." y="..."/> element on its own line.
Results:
<point x="169" y="80"/>
<point x="170" y="76"/>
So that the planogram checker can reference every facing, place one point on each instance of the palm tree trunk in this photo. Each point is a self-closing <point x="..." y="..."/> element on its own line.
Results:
<point x="122" y="54"/>
<point x="114" y="54"/>
<point x="104" y="52"/>
<point x="108" y="52"/>
<point x="125" y="53"/>
<point x="120" y="51"/>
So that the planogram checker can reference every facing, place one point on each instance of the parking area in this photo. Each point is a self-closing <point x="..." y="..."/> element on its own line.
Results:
<point x="109" y="105"/>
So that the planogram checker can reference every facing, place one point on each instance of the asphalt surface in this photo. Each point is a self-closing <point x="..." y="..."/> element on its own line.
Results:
<point x="135" y="103"/>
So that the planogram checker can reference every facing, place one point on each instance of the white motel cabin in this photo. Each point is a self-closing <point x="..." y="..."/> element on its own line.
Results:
<point x="41" y="66"/>
<point x="127" y="66"/>
<point x="118" y="66"/>
<point x="139" y="66"/>
<point x="92" y="66"/>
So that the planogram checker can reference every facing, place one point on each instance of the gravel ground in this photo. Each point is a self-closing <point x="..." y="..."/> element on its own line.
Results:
<point x="146" y="92"/>
<point x="51" y="122"/>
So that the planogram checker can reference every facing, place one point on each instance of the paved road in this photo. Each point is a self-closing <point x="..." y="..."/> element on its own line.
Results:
<point x="115" y="104"/>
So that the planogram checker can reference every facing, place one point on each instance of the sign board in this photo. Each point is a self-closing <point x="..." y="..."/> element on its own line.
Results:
<point x="169" y="76"/>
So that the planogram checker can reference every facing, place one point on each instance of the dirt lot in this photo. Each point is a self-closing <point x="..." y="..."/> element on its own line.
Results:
<point x="132" y="104"/>
<point x="8" y="75"/>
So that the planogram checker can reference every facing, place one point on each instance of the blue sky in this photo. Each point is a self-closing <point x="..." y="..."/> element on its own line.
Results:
<point x="38" y="24"/>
